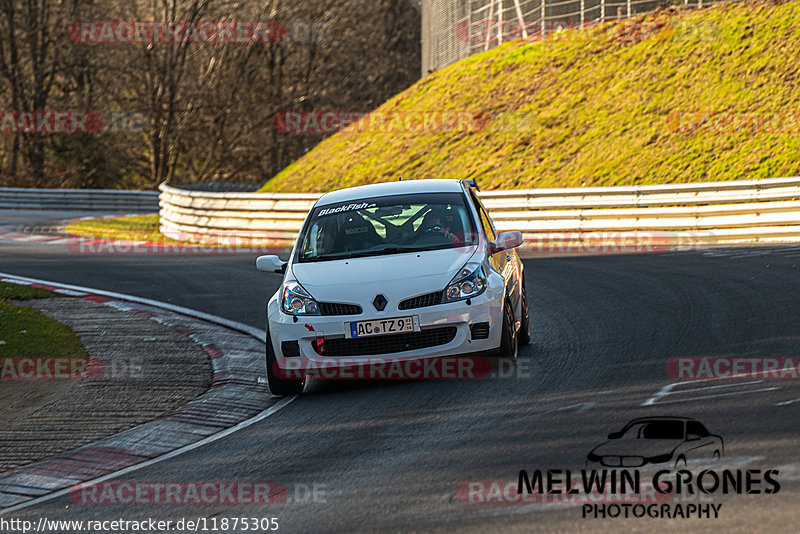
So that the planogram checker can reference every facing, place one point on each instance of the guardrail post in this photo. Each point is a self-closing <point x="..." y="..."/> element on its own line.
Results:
<point x="499" y="22"/>
<point x="543" y="17"/>
<point x="521" y="20"/>
<point x="489" y="26"/>
<point x="583" y="12"/>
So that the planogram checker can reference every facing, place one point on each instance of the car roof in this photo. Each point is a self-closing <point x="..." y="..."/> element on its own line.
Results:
<point x="660" y="418"/>
<point x="390" y="188"/>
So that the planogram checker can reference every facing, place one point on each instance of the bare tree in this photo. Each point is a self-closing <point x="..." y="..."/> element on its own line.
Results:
<point x="209" y="105"/>
<point x="33" y="55"/>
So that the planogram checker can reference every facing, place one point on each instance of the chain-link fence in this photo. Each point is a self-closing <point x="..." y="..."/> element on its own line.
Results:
<point x="455" y="29"/>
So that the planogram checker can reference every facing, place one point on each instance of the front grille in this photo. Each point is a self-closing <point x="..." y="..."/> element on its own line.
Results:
<point x="479" y="330"/>
<point x="622" y="461"/>
<point x="422" y="301"/>
<point x="387" y="344"/>
<point x="632" y="461"/>
<point x="332" y="308"/>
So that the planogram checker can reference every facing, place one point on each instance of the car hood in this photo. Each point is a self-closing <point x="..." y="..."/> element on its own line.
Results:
<point x="396" y="276"/>
<point x="637" y="447"/>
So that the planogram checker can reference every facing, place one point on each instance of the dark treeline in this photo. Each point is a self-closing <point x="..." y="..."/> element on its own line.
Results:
<point x="192" y="111"/>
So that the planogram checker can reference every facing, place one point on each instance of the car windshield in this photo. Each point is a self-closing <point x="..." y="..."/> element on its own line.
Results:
<point x="387" y="225"/>
<point x="656" y="430"/>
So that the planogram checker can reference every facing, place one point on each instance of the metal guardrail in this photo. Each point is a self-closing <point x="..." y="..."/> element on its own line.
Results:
<point x="78" y="199"/>
<point x="678" y="214"/>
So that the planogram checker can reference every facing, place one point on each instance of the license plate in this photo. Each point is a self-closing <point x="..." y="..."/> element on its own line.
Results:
<point x="377" y="327"/>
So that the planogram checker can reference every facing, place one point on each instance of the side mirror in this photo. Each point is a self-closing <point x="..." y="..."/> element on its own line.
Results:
<point x="615" y="435"/>
<point x="506" y="241"/>
<point x="270" y="264"/>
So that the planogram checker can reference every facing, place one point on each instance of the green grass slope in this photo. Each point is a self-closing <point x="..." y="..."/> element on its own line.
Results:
<point x="27" y="332"/>
<point x="676" y="96"/>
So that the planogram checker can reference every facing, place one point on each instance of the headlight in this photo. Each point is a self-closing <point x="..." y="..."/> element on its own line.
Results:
<point x="469" y="282"/>
<point x="297" y="301"/>
<point x="660" y="459"/>
<point x="592" y="457"/>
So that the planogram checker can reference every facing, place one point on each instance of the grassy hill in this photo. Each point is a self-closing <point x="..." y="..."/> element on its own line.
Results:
<point x="676" y="96"/>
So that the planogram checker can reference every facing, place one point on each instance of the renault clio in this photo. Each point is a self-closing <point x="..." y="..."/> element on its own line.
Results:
<point x="405" y="270"/>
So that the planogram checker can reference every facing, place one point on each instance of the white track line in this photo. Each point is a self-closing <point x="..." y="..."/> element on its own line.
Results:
<point x="255" y="332"/>
<point x="668" y="389"/>
<point x="241" y="327"/>
<point x="745" y="392"/>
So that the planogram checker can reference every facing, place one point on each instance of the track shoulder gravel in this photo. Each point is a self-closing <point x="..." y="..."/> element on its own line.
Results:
<point x="180" y="358"/>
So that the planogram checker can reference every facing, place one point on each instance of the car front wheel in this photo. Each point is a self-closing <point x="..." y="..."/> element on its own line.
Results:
<point x="509" y="346"/>
<point x="525" y="328"/>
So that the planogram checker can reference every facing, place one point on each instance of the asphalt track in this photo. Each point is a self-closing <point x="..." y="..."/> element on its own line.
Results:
<point x="388" y="456"/>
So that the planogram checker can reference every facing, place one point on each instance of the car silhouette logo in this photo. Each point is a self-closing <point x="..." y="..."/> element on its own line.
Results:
<point x="674" y="442"/>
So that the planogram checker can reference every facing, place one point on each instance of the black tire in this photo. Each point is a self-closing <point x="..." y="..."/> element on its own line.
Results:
<point x="525" y="326"/>
<point x="679" y="461"/>
<point x="281" y="387"/>
<point x="509" y="347"/>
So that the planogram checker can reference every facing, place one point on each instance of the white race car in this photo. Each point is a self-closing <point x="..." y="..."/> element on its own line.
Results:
<point x="406" y="271"/>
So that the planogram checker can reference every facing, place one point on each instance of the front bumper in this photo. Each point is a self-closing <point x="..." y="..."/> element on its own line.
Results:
<point x="309" y="330"/>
